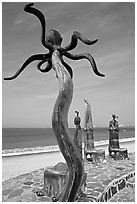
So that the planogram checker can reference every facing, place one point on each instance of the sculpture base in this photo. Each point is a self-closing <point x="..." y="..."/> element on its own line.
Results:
<point x="95" y="156"/>
<point x="55" y="179"/>
<point x="118" y="153"/>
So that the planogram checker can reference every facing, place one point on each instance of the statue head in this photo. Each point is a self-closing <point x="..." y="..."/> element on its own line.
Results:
<point x="86" y="100"/>
<point x="77" y="113"/>
<point x="114" y="116"/>
<point x="54" y="38"/>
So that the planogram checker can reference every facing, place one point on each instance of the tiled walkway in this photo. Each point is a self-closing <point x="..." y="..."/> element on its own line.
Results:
<point x="23" y="188"/>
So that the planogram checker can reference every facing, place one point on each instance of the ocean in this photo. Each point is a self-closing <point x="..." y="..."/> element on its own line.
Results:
<point x="17" y="141"/>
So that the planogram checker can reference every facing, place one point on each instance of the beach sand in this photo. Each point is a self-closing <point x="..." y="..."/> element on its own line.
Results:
<point x="13" y="166"/>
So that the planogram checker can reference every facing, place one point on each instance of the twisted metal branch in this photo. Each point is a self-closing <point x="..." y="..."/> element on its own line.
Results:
<point x="85" y="56"/>
<point x="60" y="127"/>
<point x="28" y="8"/>
<point x="48" y="66"/>
<point x="26" y="63"/>
<point x="74" y="40"/>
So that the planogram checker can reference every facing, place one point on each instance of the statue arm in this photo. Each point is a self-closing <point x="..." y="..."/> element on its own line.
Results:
<point x="116" y="127"/>
<point x="85" y="56"/>
<point x="26" y="63"/>
<point x="110" y="126"/>
<point x="48" y="66"/>
<point x="74" y="40"/>
<point x="28" y="8"/>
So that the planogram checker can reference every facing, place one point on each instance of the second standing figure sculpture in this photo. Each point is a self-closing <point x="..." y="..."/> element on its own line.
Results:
<point x="78" y="133"/>
<point x="91" y="154"/>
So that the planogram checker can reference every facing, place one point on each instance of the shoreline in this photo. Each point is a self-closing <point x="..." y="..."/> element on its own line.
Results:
<point x="55" y="148"/>
<point x="13" y="166"/>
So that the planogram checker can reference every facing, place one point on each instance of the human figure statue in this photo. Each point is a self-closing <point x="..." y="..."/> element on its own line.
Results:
<point x="78" y="132"/>
<point x="114" y="148"/>
<point x="77" y="120"/>
<point x="113" y="133"/>
<point x="113" y="124"/>
<point x="90" y="153"/>
<point x="88" y="126"/>
<point x="88" y="116"/>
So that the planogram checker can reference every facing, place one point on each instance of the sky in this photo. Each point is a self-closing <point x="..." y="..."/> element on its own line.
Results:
<point x="28" y="100"/>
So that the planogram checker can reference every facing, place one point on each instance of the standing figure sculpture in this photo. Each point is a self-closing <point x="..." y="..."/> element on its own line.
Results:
<point x="91" y="154"/>
<point x="88" y="127"/>
<point x="64" y="74"/>
<point x="113" y="133"/>
<point x="78" y="133"/>
<point x="114" y="149"/>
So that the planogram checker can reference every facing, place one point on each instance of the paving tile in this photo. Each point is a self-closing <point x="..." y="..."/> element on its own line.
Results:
<point x="15" y="193"/>
<point x="22" y="188"/>
<point x="28" y="183"/>
<point x="94" y="185"/>
<point x="102" y="177"/>
<point x="28" y="196"/>
<point x="6" y="192"/>
<point x="106" y="182"/>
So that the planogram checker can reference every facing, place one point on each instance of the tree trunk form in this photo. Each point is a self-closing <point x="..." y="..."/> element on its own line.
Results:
<point x="60" y="127"/>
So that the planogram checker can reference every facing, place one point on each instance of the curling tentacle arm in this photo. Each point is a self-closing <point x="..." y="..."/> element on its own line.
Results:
<point x="85" y="56"/>
<point x="48" y="66"/>
<point x="26" y="63"/>
<point x="74" y="40"/>
<point x="28" y="8"/>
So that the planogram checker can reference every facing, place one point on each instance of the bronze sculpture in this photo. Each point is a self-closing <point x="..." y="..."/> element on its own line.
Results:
<point x="78" y="132"/>
<point x="113" y="133"/>
<point x="90" y="152"/>
<point x="53" y="42"/>
<point x="54" y="59"/>
<point x="88" y="127"/>
<point x="114" y="148"/>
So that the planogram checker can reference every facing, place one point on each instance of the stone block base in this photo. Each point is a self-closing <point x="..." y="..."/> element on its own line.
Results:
<point x="55" y="179"/>
<point x="95" y="156"/>
<point x="118" y="153"/>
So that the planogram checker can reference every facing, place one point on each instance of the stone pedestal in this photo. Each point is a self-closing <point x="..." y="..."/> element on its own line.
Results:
<point x="88" y="141"/>
<point x="95" y="156"/>
<point x="114" y="139"/>
<point x="90" y="153"/>
<point x="118" y="153"/>
<point x="55" y="179"/>
<point x="114" y="149"/>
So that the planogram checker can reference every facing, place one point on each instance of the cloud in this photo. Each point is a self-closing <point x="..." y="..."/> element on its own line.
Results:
<point x="112" y="23"/>
<point x="19" y="20"/>
<point x="49" y="96"/>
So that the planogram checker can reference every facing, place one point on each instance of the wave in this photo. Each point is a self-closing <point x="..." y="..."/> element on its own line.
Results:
<point x="51" y="148"/>
<point x="30" y="150"/>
